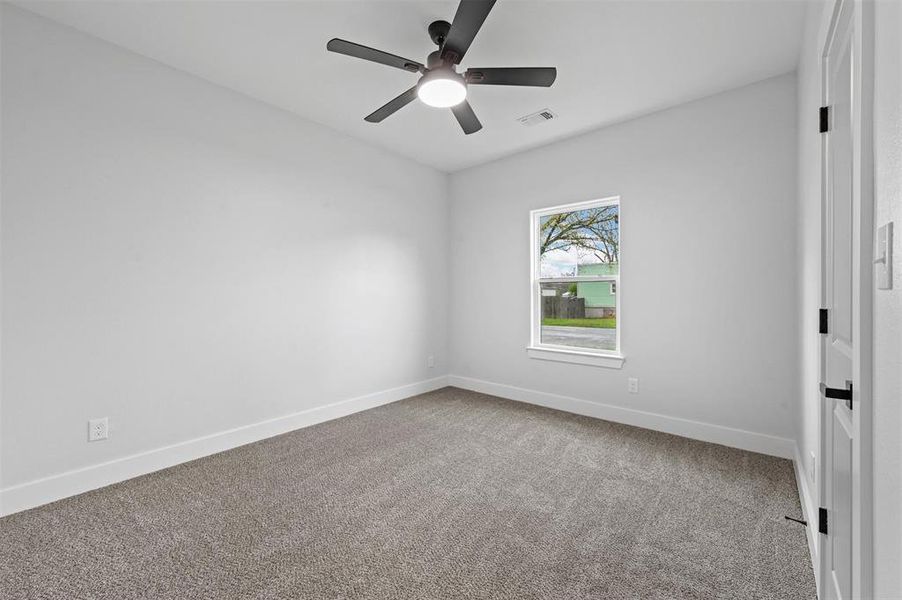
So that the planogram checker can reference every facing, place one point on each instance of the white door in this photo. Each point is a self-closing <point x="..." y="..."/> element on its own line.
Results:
<point x="848" y="328"/>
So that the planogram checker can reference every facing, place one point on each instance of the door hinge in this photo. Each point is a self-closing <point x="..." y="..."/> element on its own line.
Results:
<point x="822" y="520"/>
<point x="823" y="321"/>
<point x="824" y="117"/>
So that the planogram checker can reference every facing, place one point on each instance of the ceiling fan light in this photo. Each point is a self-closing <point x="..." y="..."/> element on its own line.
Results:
<point x="441" y="90"/>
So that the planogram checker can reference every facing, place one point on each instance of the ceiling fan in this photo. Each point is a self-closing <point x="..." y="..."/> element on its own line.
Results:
<point x="441" y="85"/>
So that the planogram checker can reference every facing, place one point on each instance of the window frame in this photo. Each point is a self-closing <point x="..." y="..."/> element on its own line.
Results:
<point x="571" y="354"/>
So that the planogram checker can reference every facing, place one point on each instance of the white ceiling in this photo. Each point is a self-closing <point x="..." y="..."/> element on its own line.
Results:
<point x="615" y="60"/>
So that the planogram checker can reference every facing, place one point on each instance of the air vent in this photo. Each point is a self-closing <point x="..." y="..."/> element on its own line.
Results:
<point x="537" y="117"/>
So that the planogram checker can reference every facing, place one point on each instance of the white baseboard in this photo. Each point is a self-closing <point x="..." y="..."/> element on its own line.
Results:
<point x="41" y="491"/>
<point x="706" y="432"/>
<point x="809" y="514"/>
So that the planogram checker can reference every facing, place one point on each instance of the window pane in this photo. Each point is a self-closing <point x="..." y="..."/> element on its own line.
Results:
<point x="580" y="242"/>
<point x="581" y="314"/>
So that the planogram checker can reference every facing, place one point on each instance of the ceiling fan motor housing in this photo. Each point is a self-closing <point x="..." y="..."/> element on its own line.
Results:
<point x="435" y="61"/>
<point x="442" y="73"/>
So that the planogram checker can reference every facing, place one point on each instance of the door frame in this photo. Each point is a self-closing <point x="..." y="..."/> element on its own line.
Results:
<point x="861" y="13"/>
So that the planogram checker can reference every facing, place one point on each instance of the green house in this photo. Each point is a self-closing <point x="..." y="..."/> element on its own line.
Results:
<point x="600" y="296"/>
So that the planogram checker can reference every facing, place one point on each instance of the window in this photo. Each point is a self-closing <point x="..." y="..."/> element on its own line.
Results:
<point x="575" y="283"/>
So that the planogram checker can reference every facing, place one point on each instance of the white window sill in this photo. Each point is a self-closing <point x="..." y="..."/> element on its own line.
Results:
<point x="593" y="359"/>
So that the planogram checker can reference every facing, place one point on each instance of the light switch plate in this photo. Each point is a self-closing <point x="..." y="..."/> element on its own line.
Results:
<point x="883" y="258"/>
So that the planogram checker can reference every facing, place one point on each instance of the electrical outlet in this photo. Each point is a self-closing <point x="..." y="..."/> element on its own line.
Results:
<point x="98" y="429"/>
<point x="430" y="362"/>
<point x="633" y="385"/>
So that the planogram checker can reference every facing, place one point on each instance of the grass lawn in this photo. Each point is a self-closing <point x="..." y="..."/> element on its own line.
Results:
<point x="609" y="323"/>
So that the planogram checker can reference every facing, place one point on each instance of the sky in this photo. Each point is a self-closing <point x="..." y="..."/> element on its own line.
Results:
<point x="562" y="263"/>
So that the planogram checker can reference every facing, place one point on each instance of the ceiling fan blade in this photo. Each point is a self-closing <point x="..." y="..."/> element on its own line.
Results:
<point x="535" y="76"/>
<point x="467" y="21"/>
<point x="466" y="117"/>
<point x="392" y="105"/>
<point x="371" y="54"/>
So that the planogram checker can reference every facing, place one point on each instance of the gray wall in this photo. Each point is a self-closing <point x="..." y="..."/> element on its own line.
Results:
<point x="187" y="260"/>
<point x="708" y="286"/>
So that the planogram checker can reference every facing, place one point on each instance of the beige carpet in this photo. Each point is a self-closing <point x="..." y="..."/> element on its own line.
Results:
<point x="447" y="495"/>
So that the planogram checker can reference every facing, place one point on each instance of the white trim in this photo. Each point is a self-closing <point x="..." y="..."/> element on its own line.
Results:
<point x="696" y="430"/>
<point x="574" y="206"/>
<point x="809" y="514"/>
<point x="576" y="357"/>
<point x="863" y="185"/>
<point x="55" y="487"/>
